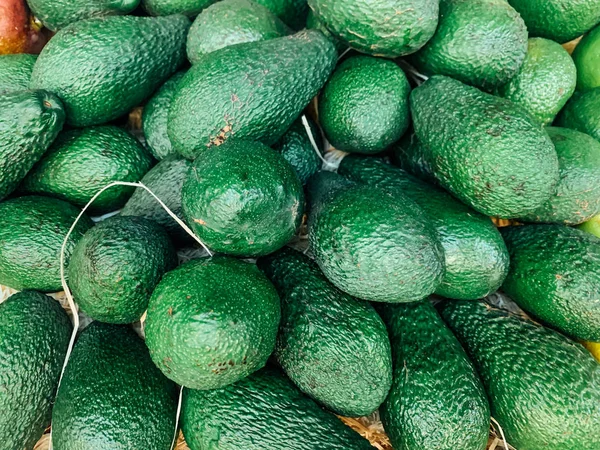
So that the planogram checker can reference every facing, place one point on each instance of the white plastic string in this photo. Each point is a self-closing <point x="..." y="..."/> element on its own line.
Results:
<point x="312" y="140"/>
<point x="174" y="443"/>
<point x="344" y="53"/>
<point x="506" y="446"/>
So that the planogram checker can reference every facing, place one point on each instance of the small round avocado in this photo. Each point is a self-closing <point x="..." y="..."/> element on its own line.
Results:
<point x="587" y="60"/>
<point x="582" y="113"/>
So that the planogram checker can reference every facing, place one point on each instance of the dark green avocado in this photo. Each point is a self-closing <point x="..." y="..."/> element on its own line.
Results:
<point x="411" y="155"/>
<point x="15" y="72"/>
<point x="190" y="8"/>
<point x="313" y="23"/>
<point x="291" y="12"/>
<point x="582" y="113"/>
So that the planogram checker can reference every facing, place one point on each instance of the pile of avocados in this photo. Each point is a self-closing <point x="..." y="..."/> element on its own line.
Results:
<point x="392" y="217"/>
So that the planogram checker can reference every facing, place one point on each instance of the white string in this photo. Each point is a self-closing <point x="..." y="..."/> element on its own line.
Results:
<point x="506" y="446"/>
<point x="177" y="418"/>
<point x="343" y="53"/>
<point x="312" y="140"/>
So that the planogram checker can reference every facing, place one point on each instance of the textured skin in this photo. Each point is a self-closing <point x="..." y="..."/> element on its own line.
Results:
<point x="409" y="154"/>
<point x="388" y="28"/>
<point x="375" y="245"/>
<point x="291" y="12"/>
<point x="487" y="151"/>
<point x="577" y="196"/>
<point x="363" y="108"/>
<point x="555" y="276"/>
<point x="101" y="68"/>
<point x="263" y="87"/>
<point x="243" y="199"/>
<point x="112" y="396"/>
<point x="190" y="8"/>
<point x="587" y="59"/>
<point x="313" y="23"/>
<point x="212" y="322"/>
<point x="582" y="113"/>
<point x="437" y="400"/>
<point x="335" y="348"/>
<point x="15" y="72"/>
<point x="154" y="118"/>
<point x="34" y="335"/>
<point x="479" y="42"/>
<point x="545" y="81"/>
<point x="31" y="236"/>
<point x="263" y="411"/>
<point x="80" y="162"/>
<point x="116" y="265"/>
<point x="29" y="122"/>
<point x="543" y="389"/>
<point x="559" y="20"/>
<point x="476" y="258"/>
<point x="231" y="22"/>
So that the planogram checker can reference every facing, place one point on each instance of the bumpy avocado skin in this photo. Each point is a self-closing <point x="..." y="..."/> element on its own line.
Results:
<point x="544" y="389"/>
<point x="587" y="59"/>
<point x="34" y="336"/>
<point x="31" y="238"/>
<point x="334" y="347"/>
<point x="582" y="113"/>
<point x="112" y="395"/>
<point x="314" y="23"/>
<point x="15" y="72"/>
<point x="190" y="8"/>
<point x="262" y="411"/>
<point x="291" y="12"/>
<point x="411" y="155"/>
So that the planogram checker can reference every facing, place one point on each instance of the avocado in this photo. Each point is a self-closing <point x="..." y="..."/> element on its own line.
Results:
<point x="82" y="161"/>
<point x="388" y="28"/>
<point x="591" y="226"/>
<point x="253" y="78"/>
<point x="334" y="347"/>
<point x="587" y="58"/>
<point x="313" y="23"/>
<point x="292" y="12"/>
<point x="559" y="20"/>
<point x="363" y="108"/>
<point x="212" y="322"/>
<point x="112" y="396"/>
<point x="15" y="72"/>
<point x="34" y="336"/>
<point x="231" y="22"/>
<point x="487" y="151"/>
<point x="262" y="411"/>
<point x="479" y="42"/>
<point x="545" y="81"/>
<point x="242" y="199"/>
<point x="190" y="8"/>
<point x="582" y="113"/>
<point x="555" y="276"/>
<point x="102" y="67"/>
<point x="543" y="389"/>
<point x="154" y="118"/>
<point x="577" y="196"/>
<point x="31" y="238"/>
<point x="437" y="400"/>
<point x="410" y="155"/>
<point x="373" y="244"/>
<point x="29" y="122"/>
<point x="476" y="258"/>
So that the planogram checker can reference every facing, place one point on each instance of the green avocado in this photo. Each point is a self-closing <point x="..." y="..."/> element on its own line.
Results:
<point x="582" y="113"/>
<point x="34" y="336"/>
<point x="479" y="42"/>
<point x="363" y="108"/>
<point x="292" y="12"/>
<point x="555" y="276"/>
<point x="80" y="162"/>
<point x="190" y="8"/>
<point x="112" y="396"/>
<point x="263" y="411"/>
<point x="411" y="155"/>
<point x="212" y="322"/>
<point x="587" y="60"/>
<point x="101" y="68"/>
<point x="313" y="23"/>
<point x="15" y="72"/>
<point x="545" y="81"/>
<point x="437" y="400"/>
<point x="253" y="78"/>
<point x="29" y="122"/>
<point x="543" y="389"/>
<point x="487" y="151"/>
<point x="31" y="238"/>
<point x="335" y="348"/>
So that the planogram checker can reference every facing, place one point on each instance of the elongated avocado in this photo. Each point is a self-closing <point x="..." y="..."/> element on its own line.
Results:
<point x="15" y="72"/>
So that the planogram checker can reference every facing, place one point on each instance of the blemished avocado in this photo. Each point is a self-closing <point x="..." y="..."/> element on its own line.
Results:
<point x="292" y="12"/>
<point x="555" y="276"/>
<point x="577" y="196"/>
<point x="29" y="122"/>
<point x="388" y="28"/>
<point x="31" y="238"/>
<point x="231" y="22"/>
<point x="363" y="108"/>
<point x="212" y="322"/>
<point x="543" y="389"/>
<point x="313" y="23"/>
<point x="34" y="336"/>
<point x="437" y="400"/>
<point x="82" y="161"/>
<point x="587" y="60"/>
<point x="373" y="244"/>
<point x="116" y="265"/>
<point x="242" y="199"/>
<point x="15" y="72"/>
<point x="334" y="347"/>
<point x="476" y="259"/>
<point x="487" y="151"/>
<point x="545" y="81"/>
<point x="479" y="42"/>
<point x="582" y="113"/>
<point x="262" y="411"/>
<point x="112" y="395"/>
<point x="100" y="68"/>
<point x="253" y="78"/>
<point x="190" y="8"/>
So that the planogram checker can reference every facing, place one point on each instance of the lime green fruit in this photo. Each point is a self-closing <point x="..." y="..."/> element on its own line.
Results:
<point x="591" y="226"/>
<point x="587" y="59"/>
